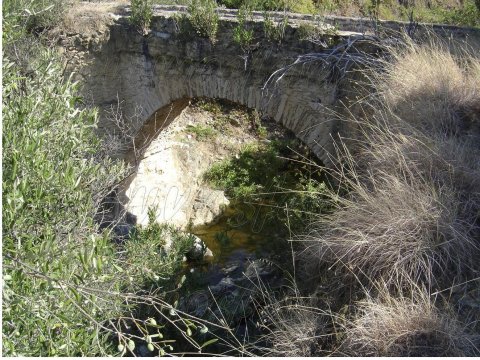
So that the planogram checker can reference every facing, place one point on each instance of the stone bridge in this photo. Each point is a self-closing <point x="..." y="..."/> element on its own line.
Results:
<point x="152" y="77"/>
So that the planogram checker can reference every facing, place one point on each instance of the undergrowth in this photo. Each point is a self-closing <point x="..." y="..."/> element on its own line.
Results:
<point x="269" y="175"/>
<point x="465" y="13"/>
<point x="71" y="287"/>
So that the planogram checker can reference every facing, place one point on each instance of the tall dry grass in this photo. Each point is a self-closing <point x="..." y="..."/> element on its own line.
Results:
<point x="406" y="326"/>
<point x="431" y="90"/>
<point x="413" y="206"/>
<point x="410" y="219"/>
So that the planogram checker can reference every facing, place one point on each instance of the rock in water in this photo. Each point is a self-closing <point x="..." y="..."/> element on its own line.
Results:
<point x="208" y="206"/>
<point x="261" y="268"/>
<point x="198" y="250"/>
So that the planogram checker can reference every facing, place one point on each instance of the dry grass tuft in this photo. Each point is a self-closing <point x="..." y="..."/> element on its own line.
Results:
<point x="410" y="219"/>
<point x="398" y="230"/>
<point x="414" y="180"/>
<point x="401" y="327"/>
<point x="295" y="328"/>
<point x="427" y="87"/>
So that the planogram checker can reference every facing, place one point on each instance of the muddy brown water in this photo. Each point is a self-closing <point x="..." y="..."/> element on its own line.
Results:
<point x="242" y="234"/>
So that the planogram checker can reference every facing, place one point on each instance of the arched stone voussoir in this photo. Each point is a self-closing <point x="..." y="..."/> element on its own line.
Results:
<point x="155" y="75"/>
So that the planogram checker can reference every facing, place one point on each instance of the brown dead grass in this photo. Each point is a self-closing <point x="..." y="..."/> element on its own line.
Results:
<point x="414" y="180"/>
<point x="411" y="216"/>
<point x="294" y="326"/>
<point x="399" y="230"/>
<point x="389" y="326"/>
<point x="431" y="90"/>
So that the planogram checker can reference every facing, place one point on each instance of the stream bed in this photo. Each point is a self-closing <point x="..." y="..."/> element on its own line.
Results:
<point x="242" y="186"/>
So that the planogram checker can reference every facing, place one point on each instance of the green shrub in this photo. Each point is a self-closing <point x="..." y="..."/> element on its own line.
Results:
<point x="201" y="132"/>
<point x="261" y="173"/>
<point x="141" y="15"/>
<point x="204" y="18"/>
<point x="242" y="34"/>
<point x="31" y="16"/>
<point x="274" y="30"/>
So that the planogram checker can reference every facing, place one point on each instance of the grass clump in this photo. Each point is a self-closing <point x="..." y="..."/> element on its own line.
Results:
<point x="201" y="132"/>
<point x="430" y="90"/>
<point x="274" y="30"/>
<point x="211" y="106"/>
<point x="402" y="326"/>
<point x="227" y="115"/>
<point x="294" y="326"/>
<point x="400" y="230"/>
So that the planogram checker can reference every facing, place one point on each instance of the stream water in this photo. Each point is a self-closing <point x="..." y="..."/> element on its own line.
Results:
<point x="242" y="234"/>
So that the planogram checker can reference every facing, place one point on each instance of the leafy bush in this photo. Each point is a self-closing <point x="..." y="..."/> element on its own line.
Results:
<point x="52" y="185"/>
<point x="242" y="34"/>
<point x="141" y="15"/>
<point x="146" y="260"/>
<point x="274" y="30"/>
<point x="35" y="15"/>
<point x="261" y="173"/>
<point x="204" y="18"/>
<point x="68" y="289"/>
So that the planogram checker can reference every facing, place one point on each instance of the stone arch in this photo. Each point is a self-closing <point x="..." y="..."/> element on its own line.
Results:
<point x="289" y="104"/>
<point x="155" y="72"/>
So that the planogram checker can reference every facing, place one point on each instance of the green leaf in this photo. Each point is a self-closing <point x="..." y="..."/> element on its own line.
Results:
<point x="209" y="342"/>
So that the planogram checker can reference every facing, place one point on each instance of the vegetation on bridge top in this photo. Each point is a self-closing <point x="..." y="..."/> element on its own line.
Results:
<point x="464" y="13"/>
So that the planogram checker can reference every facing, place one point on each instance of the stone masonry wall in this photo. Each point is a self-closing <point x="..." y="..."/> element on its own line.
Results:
<point x="153" y="76"/>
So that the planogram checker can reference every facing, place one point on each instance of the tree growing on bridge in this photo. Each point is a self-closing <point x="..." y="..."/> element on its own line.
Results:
<point x="141" y="15"/>
<point x="204" y="18"/>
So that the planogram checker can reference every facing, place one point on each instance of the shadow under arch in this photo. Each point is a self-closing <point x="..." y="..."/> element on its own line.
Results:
<point x="151" y="129"/>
